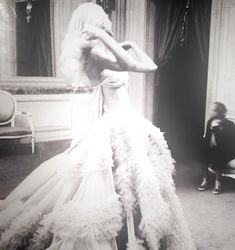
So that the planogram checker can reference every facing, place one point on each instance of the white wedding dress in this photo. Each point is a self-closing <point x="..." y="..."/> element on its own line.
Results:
<point x="80" y="199"/>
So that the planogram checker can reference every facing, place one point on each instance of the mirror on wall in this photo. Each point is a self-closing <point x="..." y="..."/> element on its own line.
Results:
<point x="26" y="39"/>
<point x="33" y="38"/>
<point x="31" y="35"/>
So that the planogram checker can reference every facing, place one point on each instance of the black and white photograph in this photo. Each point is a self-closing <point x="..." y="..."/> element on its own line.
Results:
<point x="117" y="124"/>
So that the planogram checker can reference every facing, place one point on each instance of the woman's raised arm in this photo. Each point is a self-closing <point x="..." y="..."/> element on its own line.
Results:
<point x="124" y="61"/>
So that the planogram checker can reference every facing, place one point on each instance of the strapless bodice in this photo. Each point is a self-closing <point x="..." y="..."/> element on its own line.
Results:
<point x="113" y="79"/>
<point x="114" y="99"/>
<point x="111" y="94"/>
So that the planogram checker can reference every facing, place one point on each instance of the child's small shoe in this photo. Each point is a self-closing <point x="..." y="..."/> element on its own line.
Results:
<point x="203" y="186"/>
<point x="217" y="189"/>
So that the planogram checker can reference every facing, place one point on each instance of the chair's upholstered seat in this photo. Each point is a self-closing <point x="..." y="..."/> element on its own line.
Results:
<point x="14" y="131"/>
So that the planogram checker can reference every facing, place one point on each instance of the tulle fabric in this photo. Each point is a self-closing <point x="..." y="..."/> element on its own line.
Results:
<point x="79" y="199"/>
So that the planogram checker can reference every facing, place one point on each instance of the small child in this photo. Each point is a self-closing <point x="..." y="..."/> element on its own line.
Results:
<point x="219" y="144"/>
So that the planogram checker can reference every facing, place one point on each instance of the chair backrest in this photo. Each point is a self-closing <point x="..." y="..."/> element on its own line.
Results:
<point x="7" y="108"/>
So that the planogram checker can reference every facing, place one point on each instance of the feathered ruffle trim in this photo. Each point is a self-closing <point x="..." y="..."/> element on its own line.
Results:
<point x="142" y="171"/>
<point x="137" y="244"/>
<point x="21" y="229"/>
<point x="86" y="220"/>
<point x="143" y="175"/>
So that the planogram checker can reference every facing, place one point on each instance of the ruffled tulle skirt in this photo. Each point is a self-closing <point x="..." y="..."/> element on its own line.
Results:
<point x="120" y="170"/>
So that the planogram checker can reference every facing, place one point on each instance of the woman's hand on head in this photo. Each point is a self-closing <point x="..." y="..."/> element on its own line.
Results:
<point x="90" y="36"/>
<point x="85" y="43"/>
<point x="91" y="32"/>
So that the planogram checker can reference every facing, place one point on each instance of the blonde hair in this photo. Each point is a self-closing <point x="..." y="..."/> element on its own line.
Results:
<point x="72" y="60"/>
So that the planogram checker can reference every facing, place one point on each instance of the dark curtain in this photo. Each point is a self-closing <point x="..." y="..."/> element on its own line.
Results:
<point x="201" y="11"/>
<point x="200" y="17"/>
<point x="169" y="18"/>
<point x="34" y="40"/>
<point x="183" y="83"/>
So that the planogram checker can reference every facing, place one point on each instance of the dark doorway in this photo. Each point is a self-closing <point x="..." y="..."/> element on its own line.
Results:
<point x="183" y="84"/>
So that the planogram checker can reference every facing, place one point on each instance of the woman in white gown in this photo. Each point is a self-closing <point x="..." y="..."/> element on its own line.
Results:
<point x="80" y="199"/>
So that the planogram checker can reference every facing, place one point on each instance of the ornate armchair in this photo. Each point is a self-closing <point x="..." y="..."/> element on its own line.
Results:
<point x="14" y="124"/>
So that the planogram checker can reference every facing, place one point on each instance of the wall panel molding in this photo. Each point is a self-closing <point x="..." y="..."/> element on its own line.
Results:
<point x="58" y="116"/>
